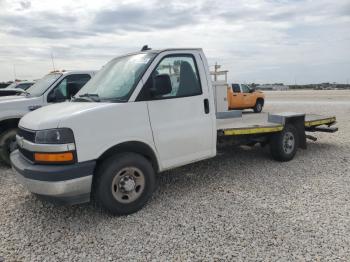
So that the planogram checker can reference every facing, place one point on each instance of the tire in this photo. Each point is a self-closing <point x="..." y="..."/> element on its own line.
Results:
<point x="284" y="145"/>
<point x="7" y="145"/>
<point x="258" y="106"/>
<point x="124" y="183"/>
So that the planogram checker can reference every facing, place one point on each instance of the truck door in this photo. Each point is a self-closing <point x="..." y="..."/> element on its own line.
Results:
<point x="247" y="97"/>
<point x="181" y="120"/>
<point x="237" y="100"/>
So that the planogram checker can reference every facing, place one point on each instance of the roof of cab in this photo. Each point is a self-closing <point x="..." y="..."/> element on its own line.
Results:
<point x="169" y="49"/>
<point x="64" y="72"/>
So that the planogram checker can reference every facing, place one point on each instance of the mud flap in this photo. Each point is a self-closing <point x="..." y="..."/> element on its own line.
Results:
<point x="295" y="119"/>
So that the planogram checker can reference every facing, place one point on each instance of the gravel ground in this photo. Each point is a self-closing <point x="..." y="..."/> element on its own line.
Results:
<point x="240" y="205"/>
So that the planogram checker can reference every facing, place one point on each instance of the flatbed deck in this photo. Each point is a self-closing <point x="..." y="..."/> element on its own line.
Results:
<point x="252" y="123"/>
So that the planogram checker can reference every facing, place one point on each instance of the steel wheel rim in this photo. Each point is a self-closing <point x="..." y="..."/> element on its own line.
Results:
<point x="258" y="106"/>
<point x="288" y="142"/>
<point x="128" y="184"/>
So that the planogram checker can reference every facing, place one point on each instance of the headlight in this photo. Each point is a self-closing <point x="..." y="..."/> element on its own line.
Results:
<point x="54" y="136"/>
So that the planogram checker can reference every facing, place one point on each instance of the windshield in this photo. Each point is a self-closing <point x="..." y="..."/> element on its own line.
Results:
<point x="118" y="78"/>
<point x="43" y="84"/>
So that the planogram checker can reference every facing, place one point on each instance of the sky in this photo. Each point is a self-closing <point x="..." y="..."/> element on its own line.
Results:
<point x="260" y="41"/>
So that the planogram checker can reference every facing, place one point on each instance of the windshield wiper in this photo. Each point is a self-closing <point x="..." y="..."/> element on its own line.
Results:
<point x="115" y="100"/>
<point x="87" y="97"/>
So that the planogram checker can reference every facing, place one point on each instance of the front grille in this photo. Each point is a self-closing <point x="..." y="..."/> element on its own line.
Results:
<point x="28" y="135"/>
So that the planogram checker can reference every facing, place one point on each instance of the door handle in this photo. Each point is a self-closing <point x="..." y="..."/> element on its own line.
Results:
<point x="244" y="95"/>
<point x="206" y="106"/>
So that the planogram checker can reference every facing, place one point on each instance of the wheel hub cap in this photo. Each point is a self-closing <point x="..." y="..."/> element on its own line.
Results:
<point x="288" y="142"/>
<point x="127" y="183"/>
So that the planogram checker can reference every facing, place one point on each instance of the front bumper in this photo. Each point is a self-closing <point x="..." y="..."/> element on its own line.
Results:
<point x="67" y="184"/>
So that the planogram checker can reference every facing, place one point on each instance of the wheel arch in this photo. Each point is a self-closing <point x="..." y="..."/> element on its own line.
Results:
<point x="132" y="147"/>
<point x="260" y="99"/>
<point x="8" y="123"/>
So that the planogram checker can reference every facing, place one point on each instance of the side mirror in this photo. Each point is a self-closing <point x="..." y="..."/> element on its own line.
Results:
<point x="251" y="90"/>
<point x="72" y="89"/>
<point x="161" y="85"/>
<point x="56" y="96"/>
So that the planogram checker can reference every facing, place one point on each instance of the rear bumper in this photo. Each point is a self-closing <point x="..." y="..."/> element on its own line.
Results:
<point x="68" y="184"/>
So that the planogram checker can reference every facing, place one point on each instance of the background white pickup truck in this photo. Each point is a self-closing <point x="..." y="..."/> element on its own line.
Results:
<point x="52" y="88"/>
<point x="143" y="113"/>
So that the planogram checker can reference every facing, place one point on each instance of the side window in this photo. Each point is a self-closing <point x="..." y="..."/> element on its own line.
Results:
<point x="68" y="87"/>
<point x="62" y="88"/>
<point x="184" y="78"/>
<point x="236" y="88"/>
<point x="75" y="83"/>
<point x="245" y="89"/>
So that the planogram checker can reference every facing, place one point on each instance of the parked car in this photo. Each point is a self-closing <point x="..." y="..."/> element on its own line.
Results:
<point x="52" y="88"/>
<point x="241" y="96"/>
<point x="16" y="88"/>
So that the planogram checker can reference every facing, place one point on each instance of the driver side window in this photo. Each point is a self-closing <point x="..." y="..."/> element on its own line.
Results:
<point x="68" y="87"/>
<point x="183" y="74"/>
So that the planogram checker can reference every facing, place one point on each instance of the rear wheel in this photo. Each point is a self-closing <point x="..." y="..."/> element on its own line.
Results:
<point x="258" y="106"/>
<point x="124" y="183"/>
<point x="7" y="144"/>
<point x="283" y="145"/>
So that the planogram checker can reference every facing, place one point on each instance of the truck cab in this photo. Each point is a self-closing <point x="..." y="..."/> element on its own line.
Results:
<point x="57" y="86"/>
<point x="241" y="96"/>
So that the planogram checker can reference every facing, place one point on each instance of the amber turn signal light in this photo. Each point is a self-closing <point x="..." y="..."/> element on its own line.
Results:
<point x="54" y="157"/>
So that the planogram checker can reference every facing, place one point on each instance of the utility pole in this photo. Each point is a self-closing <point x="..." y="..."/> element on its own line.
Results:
<point x="216" y="67"/>
<point x="53" y="64"/>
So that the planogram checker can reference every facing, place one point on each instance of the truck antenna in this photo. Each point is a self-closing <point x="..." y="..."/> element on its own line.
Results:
<point x="145" y="48"/>
<point x="14" y="72"/>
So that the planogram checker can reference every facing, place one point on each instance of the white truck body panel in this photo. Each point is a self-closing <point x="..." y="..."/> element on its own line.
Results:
<point x="17" y="106"/>
<point x="96" y="126"/>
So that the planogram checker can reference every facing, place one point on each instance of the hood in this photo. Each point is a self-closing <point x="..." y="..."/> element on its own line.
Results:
<point x="19" y="90"/>
<point x="16" y="106"/>
<point x="10" y="92"/>
<point x="50" y="116"/>
<point x="6" y="99"/>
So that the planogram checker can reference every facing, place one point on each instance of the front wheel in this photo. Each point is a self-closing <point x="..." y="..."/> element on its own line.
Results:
<point x="7" y="144"/>
<point x="283" y="145"/>
<point x="258" y="106"/>
<point x="124" y="183"/>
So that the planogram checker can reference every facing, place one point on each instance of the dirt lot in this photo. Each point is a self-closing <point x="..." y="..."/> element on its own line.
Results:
<point x="241" y="205"/>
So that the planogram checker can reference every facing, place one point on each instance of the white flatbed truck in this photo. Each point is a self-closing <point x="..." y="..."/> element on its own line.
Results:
<point x="143" y="113"/>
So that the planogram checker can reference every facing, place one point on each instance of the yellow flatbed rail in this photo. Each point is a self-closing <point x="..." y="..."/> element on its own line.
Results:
<point x="326" y="121"/>
<point x="250" y="125"/>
